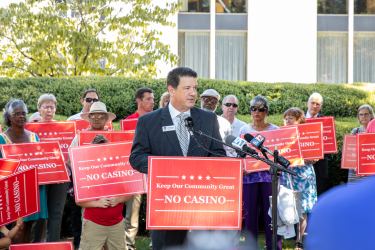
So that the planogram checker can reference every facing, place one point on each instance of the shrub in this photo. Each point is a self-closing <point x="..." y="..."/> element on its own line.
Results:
<point x="118" y="93"/>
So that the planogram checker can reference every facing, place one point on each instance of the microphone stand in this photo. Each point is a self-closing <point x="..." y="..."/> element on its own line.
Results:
<point x="270" y="163"/>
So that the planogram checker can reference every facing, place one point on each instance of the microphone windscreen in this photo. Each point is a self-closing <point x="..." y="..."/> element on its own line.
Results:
<point x="189" y="122"/>
<point x="229" y="139"/>
<point x="248" y="137"/>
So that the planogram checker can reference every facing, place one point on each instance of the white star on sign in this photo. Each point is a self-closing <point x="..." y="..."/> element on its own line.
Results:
<point x="183" y="177"/>
<point x="199" y="177"/>
<point x="105" y="158"/>
<point x="99" y="159"/>
<point x="111" y="158"/>
<point x="191" y="177"/>
<point x="208" y="177"/>
<point x="117" y="157"/>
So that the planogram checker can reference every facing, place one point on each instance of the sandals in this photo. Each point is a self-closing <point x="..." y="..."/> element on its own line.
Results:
<point x="298" y="245"/>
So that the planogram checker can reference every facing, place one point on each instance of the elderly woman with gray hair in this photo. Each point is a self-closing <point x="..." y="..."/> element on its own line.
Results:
<point x="15" y="112"/>
<point x="365" y="114"/>
<point x="56" y="193"/>
<point x="257" y="187"/>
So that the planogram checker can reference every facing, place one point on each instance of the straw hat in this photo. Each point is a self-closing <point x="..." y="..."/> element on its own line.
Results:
<point x="98" y="107"/>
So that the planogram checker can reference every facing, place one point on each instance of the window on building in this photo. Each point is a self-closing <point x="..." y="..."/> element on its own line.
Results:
<point x="195" y="5"/>
<point x="332" y="58"/>
<point x="230" y="55"/>
<point x="364" y="57"/>
<point x="364" y="7"/>
<point x="332" y="7"/>
<point x="193" y="51"/>
<point x="231" y="6"/>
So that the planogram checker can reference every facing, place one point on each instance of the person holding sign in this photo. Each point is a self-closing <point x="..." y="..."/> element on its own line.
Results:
<point x="103" y="223"/>
<point x="7" y="235"/>
<point x="257" y="186"/>
<point x="15" y="112"/>
<point x="314" y="107"/>
<point x="304" y="181"/>
<point x="365" y="115"/>
<point x="56" y="193"/>
<point x="144" y="98"/>
<point x="163" y="133"/>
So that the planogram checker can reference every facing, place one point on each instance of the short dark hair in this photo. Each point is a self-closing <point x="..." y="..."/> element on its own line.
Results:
<point x="84" y="94"/>
<point x="173" y="78"/>
<point x="141" y="91"/>
<point x="9" y="107"/>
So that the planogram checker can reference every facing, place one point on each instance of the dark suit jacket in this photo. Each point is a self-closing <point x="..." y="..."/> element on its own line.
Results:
<point x="150" y="139"/>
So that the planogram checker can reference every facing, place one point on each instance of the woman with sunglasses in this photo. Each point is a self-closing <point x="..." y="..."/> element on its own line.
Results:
<point x="87" y="99"/>
<point x="15" y="112"/>
<point x="257" y="186"/>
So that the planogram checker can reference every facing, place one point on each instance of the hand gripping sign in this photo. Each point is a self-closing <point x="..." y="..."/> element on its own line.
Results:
<point x="62" y="132"/>
<point x="366" y="154"/>
<point x="194" y="193"/>
<point x="103" y="170"/>
<point x="329" y="133"/>
<point x="287" y="143"/>
<point x="349" y="152"/>
<point x="86" y="137"/>
<point x="19" y="196"/>
<point x="45" y="156"/>
<point x="43" y="246"/>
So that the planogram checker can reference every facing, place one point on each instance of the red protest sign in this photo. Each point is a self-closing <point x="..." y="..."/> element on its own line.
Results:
<point x="86" y="137"/>
<point x="287" y="143"/>
<point x="103" y="170"/>
<point x="43" y="246"/>
<point x="45" y="156"/>
<point x="365" y="154"/>
<point x="8" y="167"/>
<point x="62" y="132"/>
<point x="349" y="152"/>
<point x="329" y="133"/>
<point x="311" y="140"/>
<point x="128" y="124"/>
<point x="83" y="125"/>
<point x="194" y="193"/>
<point x="19" y="196"/>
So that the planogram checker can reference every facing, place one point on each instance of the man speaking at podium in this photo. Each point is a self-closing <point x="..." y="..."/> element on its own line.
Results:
<point x="163" y="133"/>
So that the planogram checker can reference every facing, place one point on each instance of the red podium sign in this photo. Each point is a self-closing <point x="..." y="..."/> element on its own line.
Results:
<point x="329" y="133"/>
<point x="104" y="171"/>
<point x="128" y="124"/>
<point x="349" y="152"/>
<point x="43" y="246"/>
<point x="45" y="156"/>
<point x="86" y="137"/>
<point x="19" y="196"/>
<point x="83" y="125"/>
<point x="194" y="193"/>
<point x="62" y="132"/>
<point x="286" y="141"/>
<point x="8" y="167"/>
<point x="366" y="154"/>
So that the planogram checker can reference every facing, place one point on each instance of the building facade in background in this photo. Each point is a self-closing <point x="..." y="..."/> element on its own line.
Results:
<point x="329" y="41"/>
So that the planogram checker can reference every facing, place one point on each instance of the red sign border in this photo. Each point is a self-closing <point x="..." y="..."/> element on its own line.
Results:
<point x="334" y="134"/>
<point x="15" y="246"/>
<point x="93" y="198"/>
<point x="358" y="156"/>
<point x="152" y="158"/>
<point x="101" y="132"/>
<point x="45" y="142"/>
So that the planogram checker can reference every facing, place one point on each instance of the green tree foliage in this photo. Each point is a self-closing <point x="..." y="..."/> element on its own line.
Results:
<point x="58" y="38"/>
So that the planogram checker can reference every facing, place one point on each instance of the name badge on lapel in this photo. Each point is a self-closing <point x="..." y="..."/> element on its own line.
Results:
<point x="169" y="128"/>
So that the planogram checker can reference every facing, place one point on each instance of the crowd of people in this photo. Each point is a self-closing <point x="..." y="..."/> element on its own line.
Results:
<point x="113" y="223"/>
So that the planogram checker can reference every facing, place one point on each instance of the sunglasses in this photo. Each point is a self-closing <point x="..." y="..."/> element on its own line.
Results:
<point x="89" y="100"/>
<point x="228" y="104"/>
<point x="255" y="109"/>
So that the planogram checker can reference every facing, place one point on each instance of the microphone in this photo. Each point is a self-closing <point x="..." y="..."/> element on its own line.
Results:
<point x="239" y="143"/>
<point x="258" y="141"/>
<point x="189" y="123"/>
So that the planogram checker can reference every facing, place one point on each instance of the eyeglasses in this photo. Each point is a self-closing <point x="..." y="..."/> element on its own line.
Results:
<point x="228" y="104"/>
<point x="255" y="109"/>
<point x="364" y="114"/>
<point x="48" y="107"/>
<point x="89" y="99"/>
<point x="97" y="116"/>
